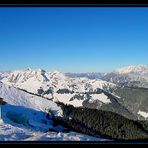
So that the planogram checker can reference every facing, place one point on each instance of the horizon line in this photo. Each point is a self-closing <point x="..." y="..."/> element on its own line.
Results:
<point x="56" y="70"/>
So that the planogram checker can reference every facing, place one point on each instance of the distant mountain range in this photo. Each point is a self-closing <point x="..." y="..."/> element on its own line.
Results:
<point x="132" y="76"/>
<point x="123" y="91"/>
<point x="94" y="90"/>
<point x="92" y="75"/>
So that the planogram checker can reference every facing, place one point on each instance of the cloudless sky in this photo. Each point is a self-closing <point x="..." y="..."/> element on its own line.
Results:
<point x="73" y="39"/>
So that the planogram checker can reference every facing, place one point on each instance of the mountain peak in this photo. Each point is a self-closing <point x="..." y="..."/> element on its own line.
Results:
<point x="132" y="69"/>
<point x="56" y="73"/>
<point x="34" y="70"/>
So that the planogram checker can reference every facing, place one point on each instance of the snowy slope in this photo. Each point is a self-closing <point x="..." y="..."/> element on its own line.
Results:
<point x="65" y="98"/>
<point x="13" y="133"/>
<point x="24" y="105"/>
<point x="17" y="97"/>
<point x="33" y="108"/>
<point x="72" y="136"/>
<point x="101" y="97"/>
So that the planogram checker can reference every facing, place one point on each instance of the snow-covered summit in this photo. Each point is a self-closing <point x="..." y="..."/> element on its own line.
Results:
<point x="55" y="85"/>
<point x="33" y="80"/>
<point x="132" y="69"/>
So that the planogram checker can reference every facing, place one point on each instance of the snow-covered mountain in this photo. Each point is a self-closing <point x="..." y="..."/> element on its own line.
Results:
<point x="81" y="91"/>
<point x="26" y="79"/>
<point x="92" y="75"/>
<point x="31" y="93"/>
<point x="141" y="69"/>
<point x="132" y="76"/>
<point x="33" y="107"/>
<point x="131" y="88"/>
<point x="32" y="80"/>
<point x="24" y="118"/>
<point x="17" y="97"/>
<point x="55" y="85"/>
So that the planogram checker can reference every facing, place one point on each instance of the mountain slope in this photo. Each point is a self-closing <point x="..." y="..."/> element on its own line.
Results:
<point x="140" y="69"/>
<point x="132" y="76"/>
<point x="105" y="123"/>
<point x="53" y="85"/>
<point x="25" y="118"/>
<point x="34" y="80"/>
<point x="17" y="97"/>
<point x="23" y="108"/>
<point x="134" y="99"/>
<point x="92" y="75"/>
<point x="74" y="91"/>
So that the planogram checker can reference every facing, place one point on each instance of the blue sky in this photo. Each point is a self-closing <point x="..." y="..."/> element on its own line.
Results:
<point x="73" y="39"/>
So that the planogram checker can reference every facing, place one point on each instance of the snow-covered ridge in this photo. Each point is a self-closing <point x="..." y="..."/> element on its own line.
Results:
<point x="17" y="97"/>
<point x="33" y="80"/>
<point x="26" y="109"/>
<point x="29" y="79"/>
<point x="132" y="69"/>
<point x="48" y="84"/>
